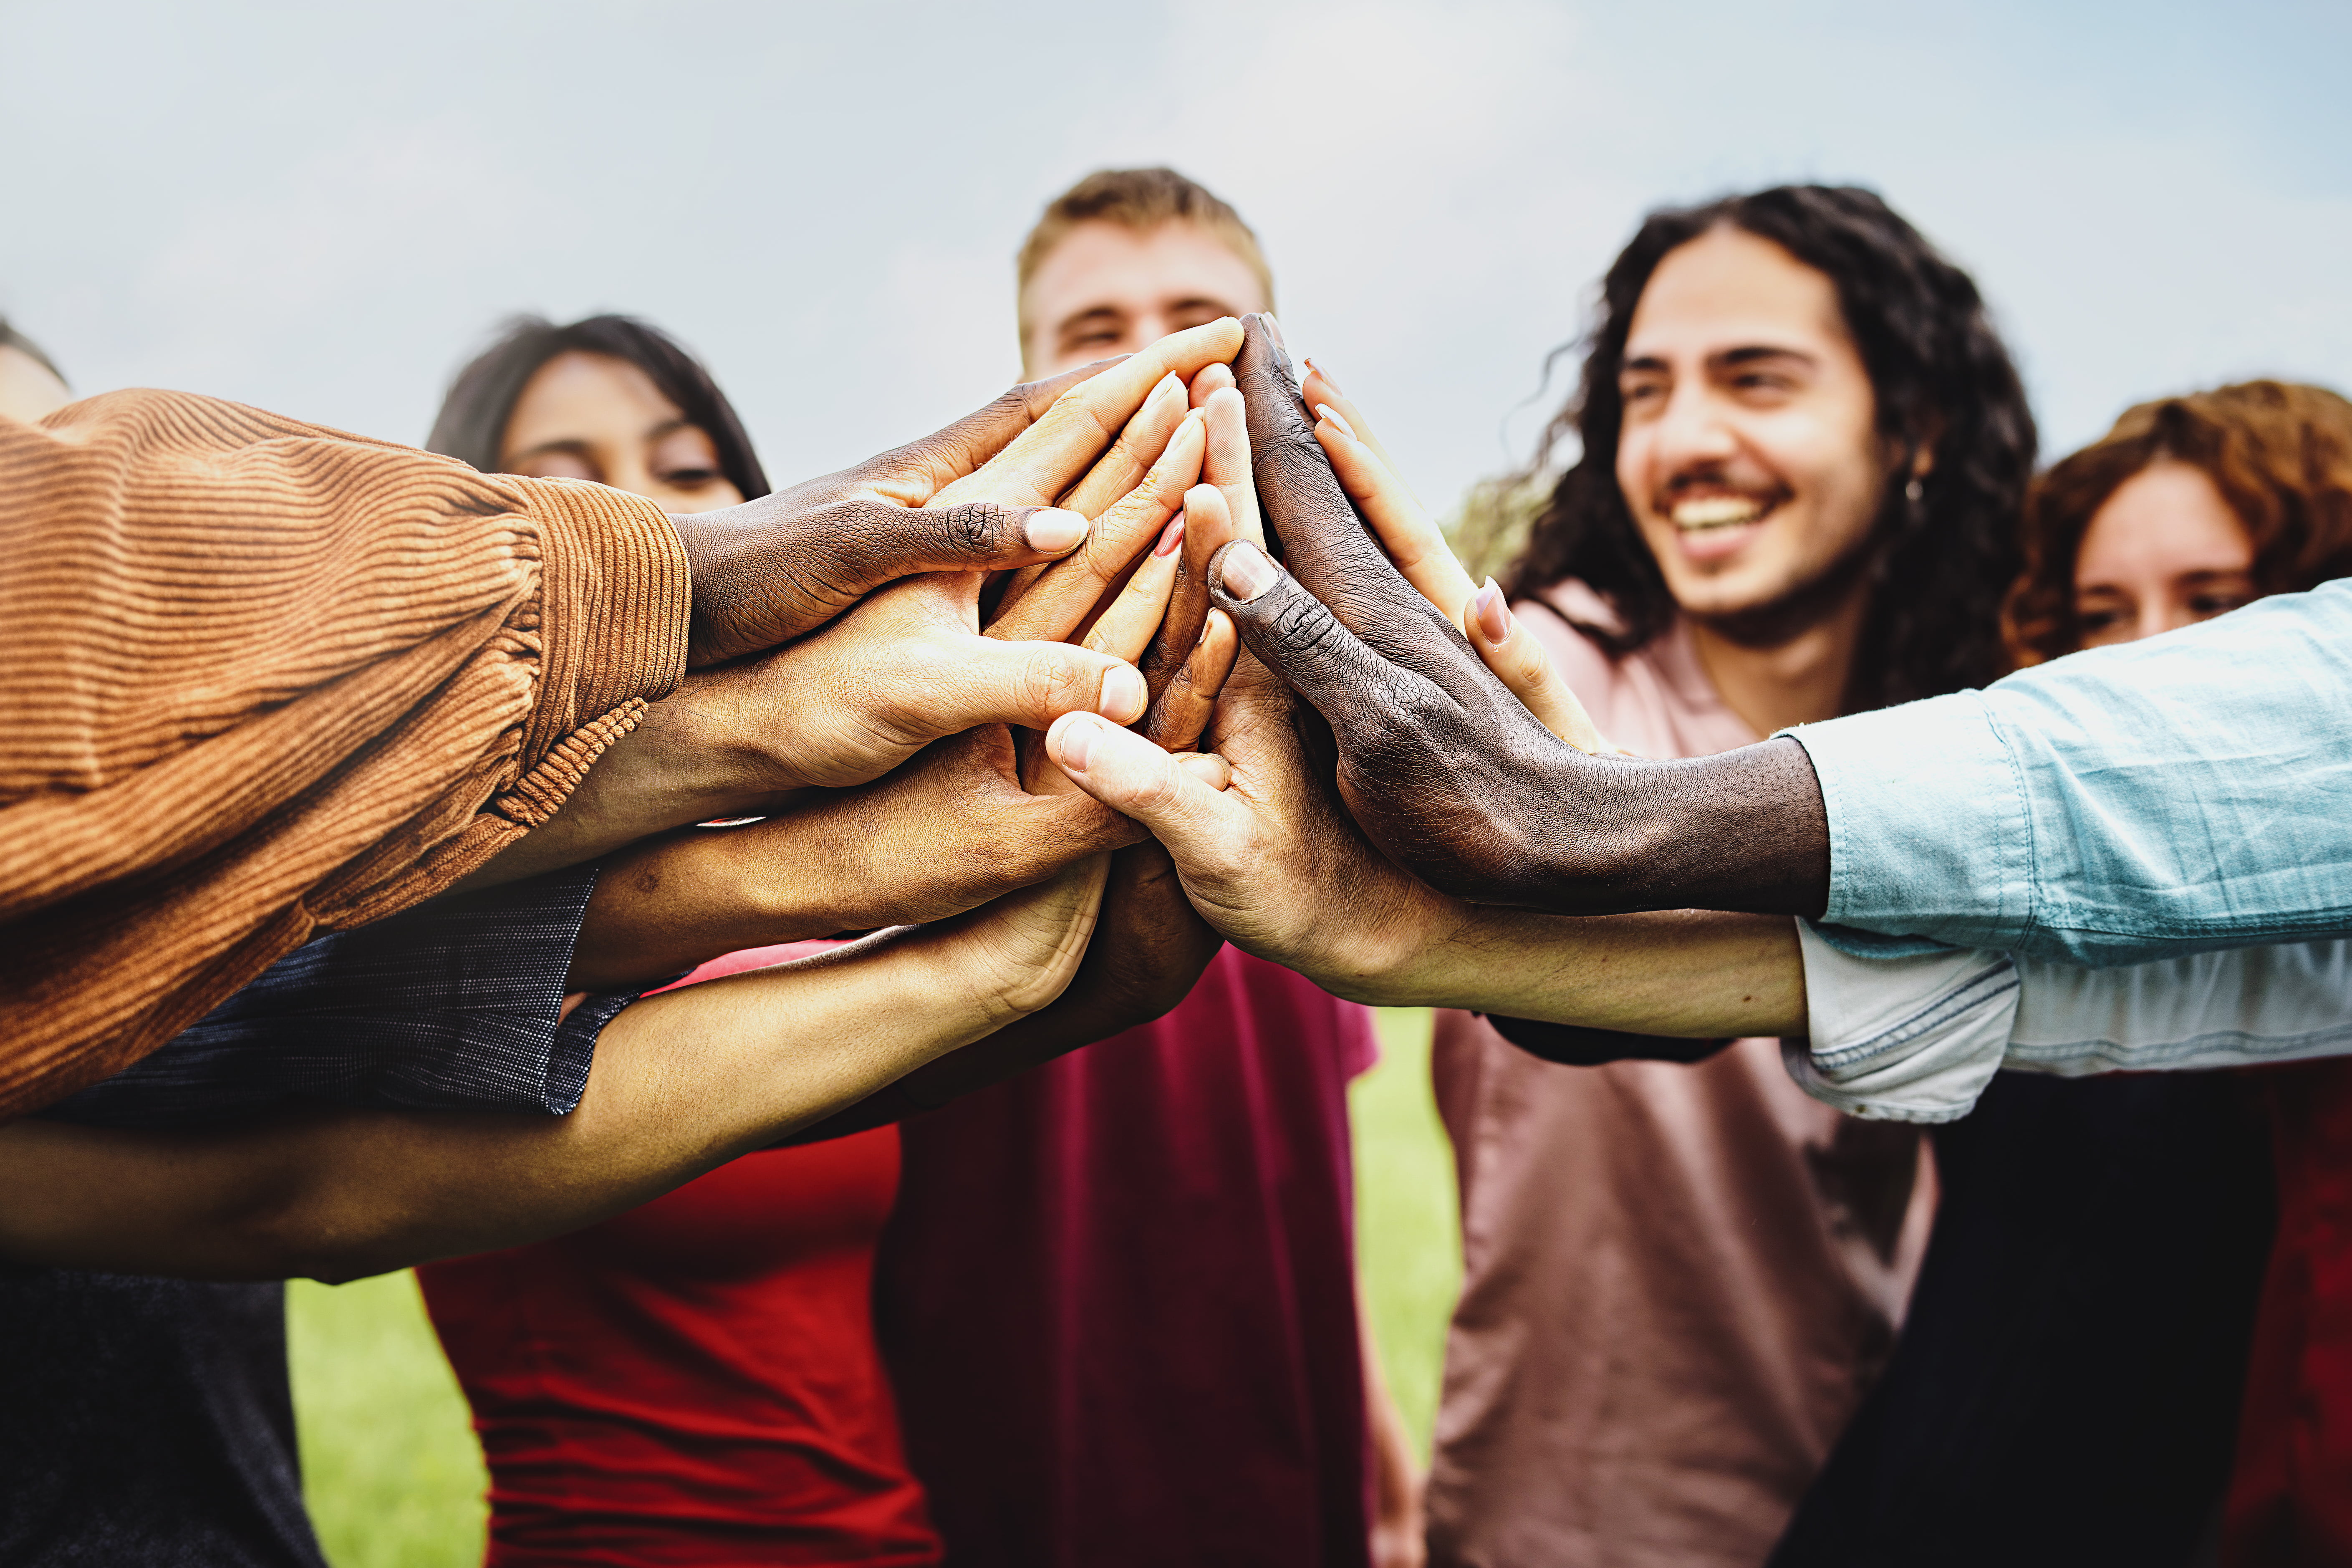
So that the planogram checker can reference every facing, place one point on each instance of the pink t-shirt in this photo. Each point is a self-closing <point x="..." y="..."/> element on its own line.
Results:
<point x="1678" y="1281"/>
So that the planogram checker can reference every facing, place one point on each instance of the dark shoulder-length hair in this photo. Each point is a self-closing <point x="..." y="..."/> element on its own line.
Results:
<point x="472" y="425"/>
<point x="2280" y="454"/>
<point x="1942" y="379"/>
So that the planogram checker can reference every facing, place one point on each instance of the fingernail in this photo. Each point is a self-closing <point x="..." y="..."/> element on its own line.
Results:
<point x="1055" y="531"/>
<point x="1494" y="618"/>
<point x="1325" y="411"/>
<point x="1169" y="537"/>
<point x="1122" y="697"/>
<point x="1074" y="745"/>
<point x="1170" y="384"/>
<point x="1247" y="573"/>
<point x="1272" y="329"/>
<point x="1336" y="390"/>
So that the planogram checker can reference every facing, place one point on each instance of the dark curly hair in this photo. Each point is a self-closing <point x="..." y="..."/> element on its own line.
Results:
<point x="472" y="424"/>
<point x="2280" y="454"/>
<point x="1941" y="376"/>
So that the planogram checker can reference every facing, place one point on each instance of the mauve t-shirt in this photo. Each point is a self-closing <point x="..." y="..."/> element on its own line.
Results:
<point x="1678" y="1281"/>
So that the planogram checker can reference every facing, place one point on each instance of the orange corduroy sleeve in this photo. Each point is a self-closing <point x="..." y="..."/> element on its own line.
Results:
<point x="264" y="680"/>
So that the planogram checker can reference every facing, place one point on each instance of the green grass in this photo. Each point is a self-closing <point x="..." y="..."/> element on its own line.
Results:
<point x="393" y="1476"/>
<point x="1407" y="1235"/>
<point x="390" y="1467"/>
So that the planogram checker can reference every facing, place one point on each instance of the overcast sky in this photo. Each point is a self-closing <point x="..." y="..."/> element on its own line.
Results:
<point x="322" y="208"/>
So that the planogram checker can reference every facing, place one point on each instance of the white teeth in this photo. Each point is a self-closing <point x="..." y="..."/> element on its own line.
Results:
<point x="1703" y="513"/>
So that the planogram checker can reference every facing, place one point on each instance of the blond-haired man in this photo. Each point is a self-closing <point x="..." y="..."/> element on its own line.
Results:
<point x="1120" y="1290"/>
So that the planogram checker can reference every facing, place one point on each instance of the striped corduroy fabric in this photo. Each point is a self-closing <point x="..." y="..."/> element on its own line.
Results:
<point x="262" y="680"/>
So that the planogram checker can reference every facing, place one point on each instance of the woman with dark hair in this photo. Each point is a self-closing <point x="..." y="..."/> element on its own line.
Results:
<point x="608" y="399"/>
<point x="697" y="1379"/>
<point x="1802" y="447"/>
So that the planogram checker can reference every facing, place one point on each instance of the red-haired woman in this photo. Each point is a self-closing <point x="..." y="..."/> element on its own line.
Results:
<point x="2078" y="1349"/>
<point x="2190" y="507"/>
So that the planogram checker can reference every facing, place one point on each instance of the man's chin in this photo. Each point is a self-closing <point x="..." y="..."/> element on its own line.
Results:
<point x="1766" y="605"/>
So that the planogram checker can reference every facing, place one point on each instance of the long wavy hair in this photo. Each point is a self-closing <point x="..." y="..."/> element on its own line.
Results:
<point x="472" y="424"/>
<point x="1939" y="565"/>
<point x="2280" y="454"/>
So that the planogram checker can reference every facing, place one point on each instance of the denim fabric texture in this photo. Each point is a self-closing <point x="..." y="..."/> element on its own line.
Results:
<point x="2186" y="792"/>
<point x="452" y="1005"/>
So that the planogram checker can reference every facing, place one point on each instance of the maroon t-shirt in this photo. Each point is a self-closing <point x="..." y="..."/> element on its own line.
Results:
<point x="2291" y="1497"/>
<point x="1117" y="1295"/>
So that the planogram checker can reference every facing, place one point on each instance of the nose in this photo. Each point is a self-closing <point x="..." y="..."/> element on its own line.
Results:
<point x="2163" y="614"/>
<point x="1691" y="432"/>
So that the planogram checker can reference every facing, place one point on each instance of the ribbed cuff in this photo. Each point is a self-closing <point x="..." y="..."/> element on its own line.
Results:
<point x="615" y="596"/>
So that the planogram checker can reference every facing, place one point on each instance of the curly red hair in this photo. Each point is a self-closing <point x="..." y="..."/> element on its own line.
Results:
<point x="2280" y="454"/>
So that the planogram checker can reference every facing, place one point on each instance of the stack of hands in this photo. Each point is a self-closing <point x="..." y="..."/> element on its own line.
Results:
<point x="1359" y="768"/>
<point x="890" y="745"/>
<point x="1032" y="702"/>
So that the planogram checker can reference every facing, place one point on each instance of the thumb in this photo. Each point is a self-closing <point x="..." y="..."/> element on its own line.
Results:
<point x="1183" y="809"/>
<point x="981" y="681"/>
<point x="1295" y="635"/>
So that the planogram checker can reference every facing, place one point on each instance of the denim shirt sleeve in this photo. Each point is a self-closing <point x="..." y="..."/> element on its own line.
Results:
<point x="1918" y="1039"/>
<point x="454" y="1006"/>
<point x="2186" y="793"/>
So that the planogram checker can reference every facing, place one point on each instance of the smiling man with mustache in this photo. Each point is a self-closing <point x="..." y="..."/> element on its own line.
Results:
<point x="1803" y="449"/>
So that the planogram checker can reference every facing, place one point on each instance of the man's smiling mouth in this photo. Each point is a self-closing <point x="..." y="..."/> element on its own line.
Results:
<point x="1704" y="514"/>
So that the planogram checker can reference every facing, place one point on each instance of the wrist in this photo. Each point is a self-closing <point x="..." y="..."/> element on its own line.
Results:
<point x="704" y="752"/>
<point x="1394" y="960"/>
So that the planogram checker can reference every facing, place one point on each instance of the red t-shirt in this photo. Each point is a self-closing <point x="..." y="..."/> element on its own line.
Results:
<point x="695" y="1382"/>
<point x="2291" y="1497"/>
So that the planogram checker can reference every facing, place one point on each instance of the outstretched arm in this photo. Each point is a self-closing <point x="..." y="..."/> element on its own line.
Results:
<point x="682" y="1083"/>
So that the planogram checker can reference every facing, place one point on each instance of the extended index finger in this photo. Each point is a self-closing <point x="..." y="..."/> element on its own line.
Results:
<point x="1314" y="529"/>
<point x="1043" y="462"/>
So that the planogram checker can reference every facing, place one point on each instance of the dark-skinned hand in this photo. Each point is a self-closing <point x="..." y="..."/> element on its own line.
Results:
<point x="1445" y="769"/>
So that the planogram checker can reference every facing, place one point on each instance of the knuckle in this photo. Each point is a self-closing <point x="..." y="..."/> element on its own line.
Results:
<point x="967" y="529"/>
<point x="1049" y="681"/>
<point x="1304" y="625"/>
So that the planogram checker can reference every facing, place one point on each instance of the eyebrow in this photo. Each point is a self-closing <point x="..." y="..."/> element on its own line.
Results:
<point x="1728" y="359"/>
<point x="571" y="443"/>
<point x="1089" y="316"/>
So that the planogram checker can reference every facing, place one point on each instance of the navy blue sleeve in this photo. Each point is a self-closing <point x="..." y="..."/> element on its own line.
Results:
<point x="453" y="1006"/>
<point x="1572" y="1044"/>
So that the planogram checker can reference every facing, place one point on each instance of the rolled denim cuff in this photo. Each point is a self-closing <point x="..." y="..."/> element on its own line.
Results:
<point x="1904" y="1039"/>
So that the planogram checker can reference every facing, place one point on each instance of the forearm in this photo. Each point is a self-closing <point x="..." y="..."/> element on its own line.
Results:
<point x="1572" y="834"/>
<point x="1740" y="830"/>
<point x="682" y="1083"/>
<point x="1692" y="973"/>
<point x="1145" y="960"/>
<point x="681" y="764"/>
<point x="1023" y="1044"/>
